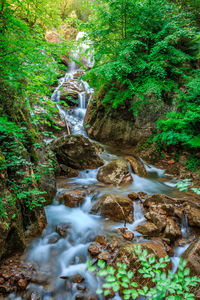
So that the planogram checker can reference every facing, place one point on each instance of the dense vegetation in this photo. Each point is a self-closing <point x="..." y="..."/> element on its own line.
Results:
<point x="29" y="65"/>
<point x="150" y="49"/>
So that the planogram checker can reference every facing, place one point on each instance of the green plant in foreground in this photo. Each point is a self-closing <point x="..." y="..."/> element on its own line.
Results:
<point x="166" y="284"/>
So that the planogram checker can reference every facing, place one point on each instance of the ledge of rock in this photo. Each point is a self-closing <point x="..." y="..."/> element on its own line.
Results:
<point x="114" y="207"/>
<point x="192" y="255"/>
<point x="77" y="152"/>
<point x="115" y="172"/>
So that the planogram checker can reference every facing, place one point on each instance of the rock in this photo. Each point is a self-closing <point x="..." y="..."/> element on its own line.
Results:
<point x="78" y="73"/>
<point x="2" y="280"/>
<point x="127" y="255"/>
<point x="128" y="235"/>
<point x="172" y="230"/>
<point x="53" y="239"/>
<point x="77" y="278"/>
<point x="119" y="126"/>
<point x="115" y="172"/>
<point x="112" y="245"/>
<point x="158" y="201"/>
<point x="65" y="60"/>
<point x="52" y="37"/>
<point x="158" y="217"/>
<point x="81" y="287"/>
<point x="69" y="91"/>
<point x="137" y="166"/>
<point x="114" y="207"/>
<point x="193" y="214"/>
<point x="95" y="248"/>
<point x="148" y="229"/>
<point x="101" y="240"/>
<point x="104" y="255"/>
<point x="133" y="196"/>
<point x="77" y="152"/>
<point x="34" y="296"/>
<point x="73" y="198"/>
<point x="192" y="255"/>
<point x="6" y="276"/>
<point x="63" y="229"/>
<point x="67" y="171"/>
<point x="22" y="283"/>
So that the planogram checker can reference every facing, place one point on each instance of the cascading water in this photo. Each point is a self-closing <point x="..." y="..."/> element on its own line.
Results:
<point x="55" y="258"/>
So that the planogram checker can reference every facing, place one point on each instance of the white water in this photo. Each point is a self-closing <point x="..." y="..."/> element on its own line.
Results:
<point x="67" y="256"/>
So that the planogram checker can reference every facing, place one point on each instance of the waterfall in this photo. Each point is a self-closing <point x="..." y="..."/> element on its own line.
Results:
<point x="185" y="230"/>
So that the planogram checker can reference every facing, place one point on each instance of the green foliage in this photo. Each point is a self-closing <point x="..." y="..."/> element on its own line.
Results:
<point x="181" y="127"/>
<point x="166" y="284"/>
<point x="141" y="48"/>
<point x="185" y="185"/>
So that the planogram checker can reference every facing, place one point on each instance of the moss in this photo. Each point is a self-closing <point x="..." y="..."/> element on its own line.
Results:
<point x="34" y="156"/>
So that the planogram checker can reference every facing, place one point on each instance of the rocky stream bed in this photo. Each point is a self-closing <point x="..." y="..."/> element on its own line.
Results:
<point x="106" y="202"/>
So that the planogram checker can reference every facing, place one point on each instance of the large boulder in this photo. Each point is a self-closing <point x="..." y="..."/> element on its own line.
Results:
<point x="77" y="152"/>
<point x="115" y="172"/>
<point x="121" y="126"/>
<point x="114" y="207"/>
<point x="192" y="255"/>
<point x="137" y="166"/>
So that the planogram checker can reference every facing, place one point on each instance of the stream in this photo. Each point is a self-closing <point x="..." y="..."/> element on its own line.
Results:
<point x="55" y="257"/>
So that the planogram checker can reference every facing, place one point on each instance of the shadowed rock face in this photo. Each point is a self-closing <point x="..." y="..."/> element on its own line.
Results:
<point x="114" y="207"/>
<point x="116" y="172"/>
<point x="120" y="126"/>
<point x="77" y="152"/>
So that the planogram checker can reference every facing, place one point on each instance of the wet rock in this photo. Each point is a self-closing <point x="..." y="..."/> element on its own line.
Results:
<point x="77" y="152"/>
<point x="34" y="296"/>
<point x="115" y="172"/>
<point x="148" y="229"/>
<point x="22" y="284"/>
<point x="63" y="229"/>
<point x="172" y="230"/>
<point x="192" y="255"/>
<point x="67" y="171"/>
<point x="73" y="198"/>
<point x="114" y="207"/>
<point x="128" y="235"/>
<point x="77" y="278"/>
<point x="95" y="248"/>
<point x="80" y="297"/>
<point x="158" y="217"/>
<point x="53" y="238"/>
<point x="81" y="287"/>
<point x="137" y="166"/>
<point x="70" y="90"/>
<point x="133" y="196"/>
<point x="101" y="240"/>
<point x="142" y="195"/>
<point x="104" y="255"/>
